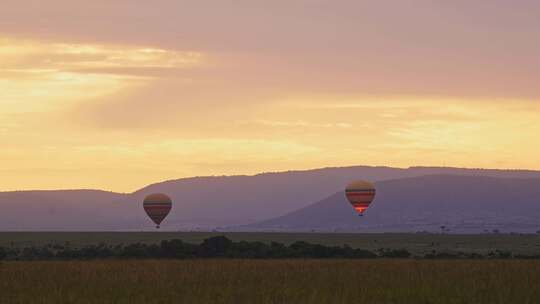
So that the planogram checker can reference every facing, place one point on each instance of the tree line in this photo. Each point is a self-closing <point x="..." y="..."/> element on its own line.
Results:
<point x="222" y="247"/>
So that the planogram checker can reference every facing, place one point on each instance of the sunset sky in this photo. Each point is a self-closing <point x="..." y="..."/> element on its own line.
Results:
<point x="118" y="94"/>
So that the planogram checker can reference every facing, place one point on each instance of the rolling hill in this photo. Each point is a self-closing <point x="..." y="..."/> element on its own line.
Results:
<point x="461" y="203"/>
<point x="202" y="202"/>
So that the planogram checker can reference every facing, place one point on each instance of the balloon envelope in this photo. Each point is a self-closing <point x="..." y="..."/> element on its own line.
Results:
<point x="157" y="206"/>
<point x="360" y="194"/>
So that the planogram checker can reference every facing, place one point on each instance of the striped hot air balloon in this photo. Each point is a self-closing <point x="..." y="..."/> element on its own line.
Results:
<point x="157" y="206"/>
<point x="360" y="194"/>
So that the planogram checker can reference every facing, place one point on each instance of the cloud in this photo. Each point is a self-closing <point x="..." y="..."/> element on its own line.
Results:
<point x="37" y="56"/>
<point x="43" y="76"/>
<point x="299" y="123"/>
<point x="353" y="47"/>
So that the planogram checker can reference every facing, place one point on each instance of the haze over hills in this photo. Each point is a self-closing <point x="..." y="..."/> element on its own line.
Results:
<point x="464" y="204"/>
<point x="63" y="210"/>
<point x="209" y="202"/>
<point x="240" y="199"/>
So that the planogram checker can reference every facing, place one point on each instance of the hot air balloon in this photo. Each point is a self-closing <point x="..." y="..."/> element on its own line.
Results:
<point x="360" y="194"/>
<point x="157" y="206"/>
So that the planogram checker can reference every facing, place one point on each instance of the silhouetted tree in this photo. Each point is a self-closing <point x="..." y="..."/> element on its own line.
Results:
<point x="215" y="246"/>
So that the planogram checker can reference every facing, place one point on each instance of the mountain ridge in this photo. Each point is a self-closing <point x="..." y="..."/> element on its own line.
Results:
<point x="483" y="204"/>
<point x="202" y="202"/>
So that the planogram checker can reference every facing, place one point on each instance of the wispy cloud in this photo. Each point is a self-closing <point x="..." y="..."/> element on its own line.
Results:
<point x="20" y="56"/>
<point x="42" y="76"/>
<point x="299" y="124"/>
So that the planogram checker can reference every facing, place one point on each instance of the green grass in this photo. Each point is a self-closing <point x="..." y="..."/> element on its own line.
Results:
<point x="416" y="243"/>
<point x="271" y="281"/>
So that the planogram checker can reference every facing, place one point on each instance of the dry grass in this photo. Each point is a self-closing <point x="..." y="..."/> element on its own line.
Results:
<point x="271" y="281"/>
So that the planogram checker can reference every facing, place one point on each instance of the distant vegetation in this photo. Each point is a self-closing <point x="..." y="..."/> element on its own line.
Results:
<point x="222" y="247"/>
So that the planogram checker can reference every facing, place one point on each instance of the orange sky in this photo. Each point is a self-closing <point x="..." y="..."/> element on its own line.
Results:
<point x="116" y="95"/>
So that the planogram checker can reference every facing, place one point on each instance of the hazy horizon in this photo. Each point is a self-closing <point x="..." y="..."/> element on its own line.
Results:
<point x="407" y="200"/>
<point x="274" y="172"/>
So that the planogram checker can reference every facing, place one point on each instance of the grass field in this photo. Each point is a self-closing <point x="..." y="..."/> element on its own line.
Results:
<point x="415" y="243"/>
<point x="271" y="281"/>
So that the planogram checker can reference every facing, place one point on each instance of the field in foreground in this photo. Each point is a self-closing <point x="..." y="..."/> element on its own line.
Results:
<point x="271" y="281"/>
<point x="416" y="243"/>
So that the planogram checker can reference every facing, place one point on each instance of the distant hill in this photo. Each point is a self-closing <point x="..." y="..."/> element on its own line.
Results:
<point x="233" y="200"/>
<point x="460" y="203"/>
<point x="201" y="202"/>
<point x="63" y="210"/>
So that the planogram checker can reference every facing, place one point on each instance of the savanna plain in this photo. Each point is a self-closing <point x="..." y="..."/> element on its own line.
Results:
<point x="271" y="281"/>
<point x="230" y="280"/>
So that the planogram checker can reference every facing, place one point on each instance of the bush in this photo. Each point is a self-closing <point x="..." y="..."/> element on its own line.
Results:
<point x="215" y="246"/>
<point x="178" y="249"/>
<point x="394" y="253"/>
<point x="222" y="247"/>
